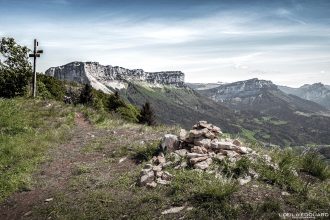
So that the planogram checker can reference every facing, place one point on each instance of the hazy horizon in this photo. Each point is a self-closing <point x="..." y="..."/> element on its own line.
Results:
<point x="285" y="41"/>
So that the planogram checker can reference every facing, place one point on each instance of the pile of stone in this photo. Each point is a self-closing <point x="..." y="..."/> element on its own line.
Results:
<point x="153" y="174"/>
<point x="197" y="148"/>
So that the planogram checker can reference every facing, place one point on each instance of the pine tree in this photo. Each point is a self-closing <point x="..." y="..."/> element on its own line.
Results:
<point x="86" y="95"/>
<point x="147" y="115"/>
<point x="115" y="102"/>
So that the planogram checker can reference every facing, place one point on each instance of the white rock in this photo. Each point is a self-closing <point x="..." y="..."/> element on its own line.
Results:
<point x="198" y="133"/>
<point x="181" y="152"/>
<point x="173" y="210"/>
<point x="122" y="159"/>
<point x="201" y="165"/>
<point x="183" y="135"/>
<point x="147" y="178"/>
<point x="203" y="142"/>
<point x="162" y="182"/>
<point x="153" y="184"/>
<point x="225" y="145"/>
<point x="244" y="180"/>
<point x="237" y="142"/>
<point x="167" y="176"/>
<point x="230" y="153"/>
<point x="49" y="199"/>
<point x="157" y="168"/>
<point x="169" y="142"/>
<point x="285" y="193"/>
<point x="199" y="150"/>
<point x="193" y="155"/>
<point x="197" y="159"/>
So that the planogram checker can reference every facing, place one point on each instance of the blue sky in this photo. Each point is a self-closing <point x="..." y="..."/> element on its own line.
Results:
<point x="285" y="41"/>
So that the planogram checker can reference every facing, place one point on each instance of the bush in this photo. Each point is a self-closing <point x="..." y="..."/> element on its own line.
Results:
<point x="86" y="95"/>
<point x="129" y="113"/>
<point x="314" y="165"/>
<point x="147" y="115"/>
<point x="50" y="87"/>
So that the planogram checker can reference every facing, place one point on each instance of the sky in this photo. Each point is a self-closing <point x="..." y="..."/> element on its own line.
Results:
<point x="286" y="41"/>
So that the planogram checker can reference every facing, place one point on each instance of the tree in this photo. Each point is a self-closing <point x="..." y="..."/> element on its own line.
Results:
<point x="86" y="95"/>
<point x="115" y="102"/>
<point x="147" y="115"/>
<point x="15" y="68"/>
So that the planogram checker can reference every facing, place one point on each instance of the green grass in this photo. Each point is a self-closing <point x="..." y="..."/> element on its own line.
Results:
<point x="27" y="129"/>
<point x="314" y="165"/>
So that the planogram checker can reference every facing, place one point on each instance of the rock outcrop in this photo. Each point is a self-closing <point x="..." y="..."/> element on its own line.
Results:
<point x="107" y="78"/>
<point x="198" y="149"/>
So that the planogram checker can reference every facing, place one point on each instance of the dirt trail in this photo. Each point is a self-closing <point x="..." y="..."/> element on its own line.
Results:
<point x="53" y="175"/>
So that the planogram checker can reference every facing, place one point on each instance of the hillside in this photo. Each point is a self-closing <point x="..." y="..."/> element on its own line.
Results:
<point x="316" y="92"/>
<point x="271" y="114"/>
<point x="93" y="172"/>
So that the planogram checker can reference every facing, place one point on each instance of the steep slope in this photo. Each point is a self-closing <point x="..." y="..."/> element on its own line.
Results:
<point x="272" y="114"/>
<point x="181" y="106"/>
<point x="259" y="95"/>
<point x="316" y="92"/>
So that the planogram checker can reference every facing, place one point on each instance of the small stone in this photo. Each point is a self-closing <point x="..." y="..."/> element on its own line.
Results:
<point x="176" y="157"/>
<point x="241" y="150"/>
<point x="173" y="210"/>
<point x="220" y="157"/>
<point x="230" y="153"/>
<point x="147" y="178"/>
<point x="237" y="142"/>
<point x="49" y="200"/>
<point x="199" y="150"/>
<point x="145" y="171"/>
<point x="181" y="152"/>
<point x="193" y="155"/>
<point x="198" y="133"/>
<point x="253" y="174"/>
<point x="28" y="213"/>
<point x="209" y="161"/>
<point x="201" y="165"/>
<point x="285" y="193"/>
<point x="197" y="159"/>
<point x="167" y="176"/>
<point x="244" y="180"/>
<point x="159" y="174"/>
<point x="183" y="135"/>
<point x="167" y="164"/>
<point x="225" y="145"/>
<point x="203" y="142"/>
<point x="189" y="208"/>
<point x="162" y="182"/>
<point x="157" y="168"/>
<point x="153" y="184"/>
<point x="122" y="159"/>
<point x="216" y="129"/>
<point x="160" y="160"/>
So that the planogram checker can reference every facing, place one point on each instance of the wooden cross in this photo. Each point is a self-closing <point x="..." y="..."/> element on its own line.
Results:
<point x="36" y="53"/>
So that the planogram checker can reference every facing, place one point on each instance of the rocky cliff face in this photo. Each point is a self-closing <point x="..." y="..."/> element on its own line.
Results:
<point x="316" y="92"/>
<point x="239" y="90"/>
<point x="107" y="78"/>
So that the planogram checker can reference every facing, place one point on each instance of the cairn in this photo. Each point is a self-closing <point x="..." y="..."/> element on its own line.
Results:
<point x="196" y="148"/>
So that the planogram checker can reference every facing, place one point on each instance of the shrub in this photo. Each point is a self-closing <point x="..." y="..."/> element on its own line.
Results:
<point x="312" y="163"/>
<point x="147" y="115"/>
<point x="86" y="95"/>
<point x="50" y="87"/>
<point x="129" y="113"/>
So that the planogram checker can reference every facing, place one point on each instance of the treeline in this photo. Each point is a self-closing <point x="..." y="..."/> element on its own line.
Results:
<point x="16" y="78"/>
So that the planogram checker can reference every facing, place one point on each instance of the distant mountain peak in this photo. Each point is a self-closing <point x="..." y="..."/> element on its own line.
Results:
<point x="108" y="78"/>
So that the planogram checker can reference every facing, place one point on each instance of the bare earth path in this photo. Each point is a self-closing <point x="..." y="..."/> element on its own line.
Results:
<point x="54" y="174"/>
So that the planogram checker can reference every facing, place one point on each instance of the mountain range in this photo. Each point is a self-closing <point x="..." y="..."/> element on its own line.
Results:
<point x="254" y="108"/>
<point x="316" y="92"/>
